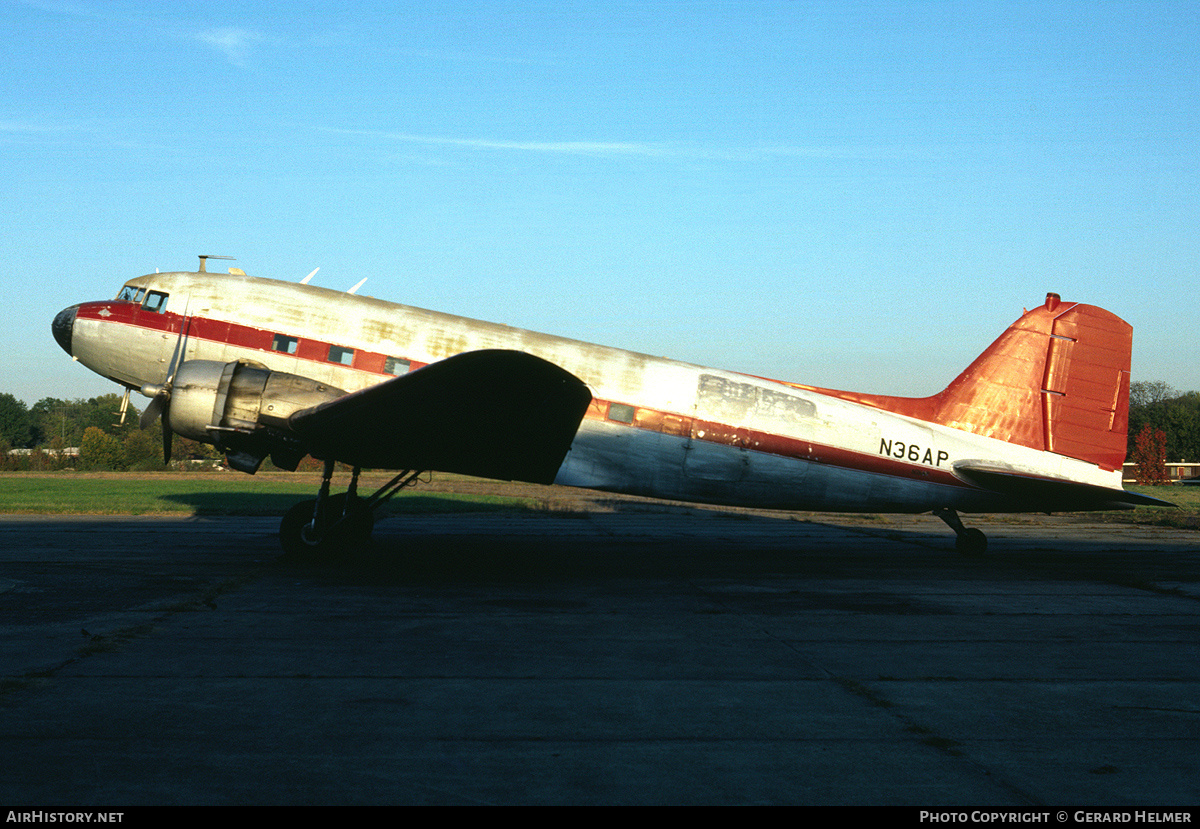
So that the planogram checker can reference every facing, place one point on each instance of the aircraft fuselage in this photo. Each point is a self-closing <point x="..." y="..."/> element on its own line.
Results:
<point x="655" y="427"/>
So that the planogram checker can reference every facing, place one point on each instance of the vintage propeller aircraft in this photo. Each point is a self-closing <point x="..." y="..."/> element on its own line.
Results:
<point x="260" y="367"/>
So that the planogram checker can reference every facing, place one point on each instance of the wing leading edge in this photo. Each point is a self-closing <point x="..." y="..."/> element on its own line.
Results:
<point x="497" y="414"/>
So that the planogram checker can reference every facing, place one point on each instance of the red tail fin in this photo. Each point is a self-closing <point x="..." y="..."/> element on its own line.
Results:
<point x="1057" y="380"/>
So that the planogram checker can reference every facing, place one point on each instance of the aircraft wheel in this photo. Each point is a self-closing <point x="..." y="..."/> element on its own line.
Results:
<point x="972" y="542"/>
<point x="295" y="536"/>
<point x="298" y="539"/>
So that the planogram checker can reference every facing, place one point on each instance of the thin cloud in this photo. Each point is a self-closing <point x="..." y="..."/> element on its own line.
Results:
<point x="236" y="44"/>
<point x="91" y="133"/>
<point x="594" y="148"/>
<point x="26" y="127"/>
<point x="560" y="147"/>
<point x="443" y="56"/>
<point x="643" y="149"/>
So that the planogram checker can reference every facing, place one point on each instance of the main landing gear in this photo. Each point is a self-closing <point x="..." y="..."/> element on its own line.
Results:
<point x="970" y="542"/>
<point x="333" y="523"/>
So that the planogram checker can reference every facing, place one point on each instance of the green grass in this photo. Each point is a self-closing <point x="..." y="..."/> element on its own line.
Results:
<point x="271" y="493"/>
<point x="1184" y="515"/>
<point x="72" y="493"/>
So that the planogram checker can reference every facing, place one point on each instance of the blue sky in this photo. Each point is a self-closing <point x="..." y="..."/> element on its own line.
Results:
<point x="856" y="195"/>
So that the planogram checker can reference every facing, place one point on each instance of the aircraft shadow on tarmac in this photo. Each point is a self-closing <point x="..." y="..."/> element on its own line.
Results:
<point x="277" y="503"/>
<point x="755" y="548"/>
<point x="419" y="539"/>
<point x="222" y="503"/>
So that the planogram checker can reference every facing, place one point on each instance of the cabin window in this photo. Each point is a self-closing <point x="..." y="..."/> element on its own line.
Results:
<point x="156" y="301"/>
<point x="337" y="354"/>
<point x="284" y="344"/>
<point x="620" y="413"/>
<point x="396" y="366"/>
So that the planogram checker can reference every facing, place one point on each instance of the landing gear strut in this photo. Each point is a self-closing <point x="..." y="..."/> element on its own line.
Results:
<point x="333" y="523"/>
<point x="970" y="542"/>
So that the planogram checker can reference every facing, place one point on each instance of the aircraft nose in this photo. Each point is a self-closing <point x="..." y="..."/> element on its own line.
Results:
<point x="63" y="325"/>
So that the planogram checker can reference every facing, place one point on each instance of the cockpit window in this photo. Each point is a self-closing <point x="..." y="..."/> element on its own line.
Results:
<point x="156" y="301"/>
<point x="130" y="293"/>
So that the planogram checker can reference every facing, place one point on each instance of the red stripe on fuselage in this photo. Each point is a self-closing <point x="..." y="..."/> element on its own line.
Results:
<point x="645" y="419"/>
<point x="767" y="443"/>
<point x="234" y="334"/>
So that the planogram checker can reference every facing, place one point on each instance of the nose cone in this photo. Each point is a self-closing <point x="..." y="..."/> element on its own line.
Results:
<point x="63" y="325"/>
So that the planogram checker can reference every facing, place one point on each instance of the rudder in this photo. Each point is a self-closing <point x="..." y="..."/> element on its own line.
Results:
<point x="1056" y="380"/>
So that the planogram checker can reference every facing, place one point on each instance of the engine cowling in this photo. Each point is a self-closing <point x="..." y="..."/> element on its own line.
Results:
<point x="242" y="408"/>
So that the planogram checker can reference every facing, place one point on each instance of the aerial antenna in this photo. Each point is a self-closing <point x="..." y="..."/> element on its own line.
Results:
<point x="304" y="281"/>
<point x="359" y="285"/>
<point x="211" y="256"/>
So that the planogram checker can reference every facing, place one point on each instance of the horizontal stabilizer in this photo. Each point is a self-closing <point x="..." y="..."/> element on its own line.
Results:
<point x="1044" y="494"/>
<point x="497" y="414"/>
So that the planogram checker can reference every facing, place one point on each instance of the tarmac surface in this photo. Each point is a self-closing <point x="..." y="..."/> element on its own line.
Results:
<point x="618" y="653"/>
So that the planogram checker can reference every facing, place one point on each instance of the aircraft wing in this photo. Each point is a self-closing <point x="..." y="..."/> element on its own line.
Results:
<point x="497" y="414"/>
<point x="1045" y="494"/>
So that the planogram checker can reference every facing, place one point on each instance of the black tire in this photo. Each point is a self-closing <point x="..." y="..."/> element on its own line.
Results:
<point x="293" y="534"/>
<point x="297" y="539"/>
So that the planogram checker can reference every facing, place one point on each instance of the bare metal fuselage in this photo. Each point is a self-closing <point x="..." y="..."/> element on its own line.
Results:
<point x="656" y="427"/>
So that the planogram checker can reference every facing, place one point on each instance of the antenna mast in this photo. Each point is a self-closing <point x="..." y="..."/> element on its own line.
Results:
<point x="205" y="256"/>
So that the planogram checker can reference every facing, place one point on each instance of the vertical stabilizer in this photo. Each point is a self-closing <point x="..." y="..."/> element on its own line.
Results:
<point x="1057" y="380"/>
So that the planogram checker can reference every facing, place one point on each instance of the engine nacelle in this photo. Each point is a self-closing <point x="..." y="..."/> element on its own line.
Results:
<point x="242" y="407"/>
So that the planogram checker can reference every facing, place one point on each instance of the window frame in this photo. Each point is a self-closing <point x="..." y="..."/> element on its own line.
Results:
<point x="345" y="356"/>
<point x="618" y="412"/>
<point x="291" y="344"/>
<point x="403" y="366"/>
<point x="161" y="307"/>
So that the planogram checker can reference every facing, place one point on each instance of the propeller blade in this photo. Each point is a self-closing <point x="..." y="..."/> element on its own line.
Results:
<point x="180" y="351"/>
<point x="167" y="435"/>
<point x="153" y="410"/>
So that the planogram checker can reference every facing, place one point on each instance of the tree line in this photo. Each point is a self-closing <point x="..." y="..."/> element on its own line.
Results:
<point x="51" y="425"/>
<point x="94" y="427"/>
<point x="1160" y="408"/>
